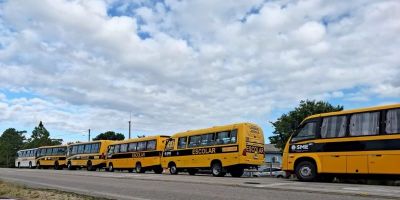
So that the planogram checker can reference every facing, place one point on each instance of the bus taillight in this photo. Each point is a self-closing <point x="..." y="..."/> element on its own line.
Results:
<point x="244" y="152"/>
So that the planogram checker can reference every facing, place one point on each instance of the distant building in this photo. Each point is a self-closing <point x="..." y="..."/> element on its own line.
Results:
<point x="272" y="155"/>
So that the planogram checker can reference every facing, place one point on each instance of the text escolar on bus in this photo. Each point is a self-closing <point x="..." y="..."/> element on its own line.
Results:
<point x="361" y="142"/>
<point x="221" y="149"/>
<point x="139" y="154"/>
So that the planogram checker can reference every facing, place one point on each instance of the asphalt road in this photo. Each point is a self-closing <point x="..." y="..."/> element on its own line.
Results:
<point x="153" y="186"/>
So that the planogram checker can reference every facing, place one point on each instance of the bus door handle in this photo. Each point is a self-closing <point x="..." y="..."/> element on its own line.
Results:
<point x="378" y="155"/>
<point x="336" y="156"/>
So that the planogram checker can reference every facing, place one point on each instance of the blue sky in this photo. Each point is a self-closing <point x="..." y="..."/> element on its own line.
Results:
<point x="178" y="65"/>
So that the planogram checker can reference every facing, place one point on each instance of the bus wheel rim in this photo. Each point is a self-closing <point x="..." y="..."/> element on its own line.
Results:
<point x="216" y="170"/>
<point x="305" y="171"/>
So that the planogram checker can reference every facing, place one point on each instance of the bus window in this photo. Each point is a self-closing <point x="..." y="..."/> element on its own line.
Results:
<point x="182" y="143"/>
<point x="81" y="148"/>
<point x="123" y="148"/>
<point x="151" y="145"/>
<point x="308" y="131"/>
<point x="364" y="124"/>
<point x="116" y="148"/>
<point x="110" y="150"/>
<point x="74" y="150"/>
<point x="393" y="121"/>
<point x="334" y="126"/>
<point x="132" y="147"/>
<point x="233" y="136"/>
<point x="88" y="148"/>
<point x="207" y="139"/>
<point x="223" y="137"/>
<point x="141" y="146"/>
<point x="95" y="148"/>
<point x="194" y="141"/>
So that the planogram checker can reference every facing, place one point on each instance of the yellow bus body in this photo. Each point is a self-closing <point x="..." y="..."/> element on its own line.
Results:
<point x="218" y="148"/>
<point x="139" y="154"/>
<point x="349" y="154"/>
<point x="90" y="155"/>
<point x="51" y="156"/>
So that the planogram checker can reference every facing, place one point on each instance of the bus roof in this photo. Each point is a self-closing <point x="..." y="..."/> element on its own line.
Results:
<point x="96" y="141"/>
<point x="211" y="129"/>
<point x="52" y="146"/>
<point x="152" y="137"/>
<point x="27" y="149"/>
<point x="359" y="110"/>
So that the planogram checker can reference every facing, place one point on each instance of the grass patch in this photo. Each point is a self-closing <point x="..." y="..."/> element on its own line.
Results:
<point x="15" y="191"/>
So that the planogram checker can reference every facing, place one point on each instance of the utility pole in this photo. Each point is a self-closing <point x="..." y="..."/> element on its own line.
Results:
<point x="130" y="118"/>
<point x="89" y="135"/>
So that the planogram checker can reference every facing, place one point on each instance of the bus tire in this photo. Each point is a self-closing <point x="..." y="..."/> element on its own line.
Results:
<point x="38" y="165"/>
<point x="306" y="171"/>
<point x="216" y="169"/>
<point x="19" y="165"/>
<point x="69" y="166"/>
<point x="89" y="166"/>
<point x="30" y="165"/>
<point x="192" y="171"/>
<point x="158" y="170"/>
<point x="110" y="167"/>
<point x="56" y="165"/>
<point x="139" y="168"/>
<point x="236" y="171"/>
<point x="173" y="169"/>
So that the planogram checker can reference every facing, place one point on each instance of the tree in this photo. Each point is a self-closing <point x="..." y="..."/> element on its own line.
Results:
<point x="109" y="135"/>
<point x="41" y="137"/>
<point x="10" y="142"/>
<point x="286" y="124"/>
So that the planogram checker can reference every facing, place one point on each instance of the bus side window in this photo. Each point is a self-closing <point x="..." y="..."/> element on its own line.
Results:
<point x="95" y="148"/>
<point x="116" y="148"/>
<point x="123" y="148"/>
<point x="393" y="121"/>
<point x="110" y="150"/>
<point x="364" y="124"/>
<point x="207" y="139"/>
<point x="308" y="131"/>
<point x="233" y="136"/>
<point x="141" y="146"/>
<point x="151" y="145"/>
<point x="223" y="137"/>
<point x="132" y="147"/>
<point x="182" y="143"/>
<point x="194" y="141"/>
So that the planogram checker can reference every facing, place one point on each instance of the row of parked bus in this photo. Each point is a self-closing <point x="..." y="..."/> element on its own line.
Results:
<point x="353" y="142"/>
<point x="221" y="149"/>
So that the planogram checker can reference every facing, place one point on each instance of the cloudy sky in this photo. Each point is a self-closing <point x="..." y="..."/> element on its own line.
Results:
<point x="178" y="65"/>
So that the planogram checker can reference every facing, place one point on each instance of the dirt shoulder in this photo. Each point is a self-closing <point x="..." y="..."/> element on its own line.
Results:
<point x="15" y="191"/>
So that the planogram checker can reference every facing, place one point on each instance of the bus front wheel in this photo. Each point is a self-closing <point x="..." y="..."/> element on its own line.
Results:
<point x="306" y="171"/>
<point x="139" y="168"/>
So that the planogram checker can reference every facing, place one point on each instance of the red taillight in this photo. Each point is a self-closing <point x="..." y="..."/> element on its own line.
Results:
<point x="244" y="152"/>
<point x="102" y="156"/>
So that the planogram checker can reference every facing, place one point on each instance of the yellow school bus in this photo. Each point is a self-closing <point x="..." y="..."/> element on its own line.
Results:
<point x="353" y="142"/>
<point x="89" y="155"/>
<point x="139" y="154"/>
<point x="51" y="156"/>
<point x="223" y="149"/>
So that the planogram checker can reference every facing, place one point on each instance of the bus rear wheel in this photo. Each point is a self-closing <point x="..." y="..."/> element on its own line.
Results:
<point x="236" y="171"/>
<point x="306" y="171"/>
<point x="30" y="165"/>
<point x="19" y="165"/>
<point x="38" y="165"/>
<point x="217" y="170"/>
<point x="56" y="166"/>
<point x="89" y="166"/>
<point x="69" y="166"/>
<point x="139" y="168"/>
<point x="110" y="167"/>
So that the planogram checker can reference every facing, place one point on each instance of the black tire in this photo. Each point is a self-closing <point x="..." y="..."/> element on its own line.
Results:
<point x="38" y="165"/>
<point x="69" y="166"/>
<point x="306" y="171"/>
<point x="19" y="165"/>
<point x="110" y="167"/>
<point x="173" y="169"/>
<point x="139" y="168"/>
<point x="217" y="169"/>
<point x="90" y="167"/>
<point x="56" y="165"/>
<point x="158" y="170"/>
<point x="30" y="165"/>
<point x="237" y="172"/>
<point x="192" y="171"/>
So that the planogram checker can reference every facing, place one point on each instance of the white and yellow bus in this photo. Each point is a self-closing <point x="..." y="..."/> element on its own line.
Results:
<point x="139" y="154"/>
<point x="51" y="156"/>
<point x="223" y="149"/>
<point x="26" y="158"/>
<point x="89" y="155"/>
<point x="360" y="142"/>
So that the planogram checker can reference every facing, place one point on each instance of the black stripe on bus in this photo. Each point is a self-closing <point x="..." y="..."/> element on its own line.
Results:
<point x="135" y="155"/>
<point x="202" y="151"/>
<point x="369" y="145"/>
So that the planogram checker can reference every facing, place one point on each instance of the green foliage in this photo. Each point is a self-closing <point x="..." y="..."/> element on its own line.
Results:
<point x="109" y="135"/>
<point x="10" y="142"/>
<point x="286" y="124"/>
<point x="41" y="137"/>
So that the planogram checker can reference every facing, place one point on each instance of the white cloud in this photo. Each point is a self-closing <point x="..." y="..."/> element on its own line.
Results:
<point x="205" y="62"/>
